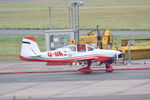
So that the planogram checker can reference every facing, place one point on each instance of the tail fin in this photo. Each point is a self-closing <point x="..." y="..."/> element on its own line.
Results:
<point x="29" y="48"/>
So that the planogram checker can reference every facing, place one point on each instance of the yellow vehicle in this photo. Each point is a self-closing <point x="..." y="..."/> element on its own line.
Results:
<point x="103" y="41"/>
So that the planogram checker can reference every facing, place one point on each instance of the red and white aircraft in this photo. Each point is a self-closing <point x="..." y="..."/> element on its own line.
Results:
<point x="70" y="54"/>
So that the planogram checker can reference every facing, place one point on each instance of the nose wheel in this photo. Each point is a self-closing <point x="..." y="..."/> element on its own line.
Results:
<point x="109" y="68"/>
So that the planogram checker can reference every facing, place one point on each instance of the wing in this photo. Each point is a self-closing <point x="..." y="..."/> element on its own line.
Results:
<point x="86" y="59"/>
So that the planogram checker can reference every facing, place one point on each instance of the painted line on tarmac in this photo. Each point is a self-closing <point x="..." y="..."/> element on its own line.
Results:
<point x="52" y="71"/>
<point x="57" y="71"/>
<point x="123" y="69"/>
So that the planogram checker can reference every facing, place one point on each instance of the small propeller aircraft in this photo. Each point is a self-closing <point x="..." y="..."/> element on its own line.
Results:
<point x="85" y="54"/>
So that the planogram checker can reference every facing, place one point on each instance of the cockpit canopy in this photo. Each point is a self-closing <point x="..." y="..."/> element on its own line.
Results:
<point x="80" y="48"/>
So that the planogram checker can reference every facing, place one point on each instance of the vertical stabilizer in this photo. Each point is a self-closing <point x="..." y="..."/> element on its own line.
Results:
<point x="29" y="48"/>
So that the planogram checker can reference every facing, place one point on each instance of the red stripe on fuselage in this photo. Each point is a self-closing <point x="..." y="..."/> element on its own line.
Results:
<point x="46" y="60"/>
<point x="65" y="60"/>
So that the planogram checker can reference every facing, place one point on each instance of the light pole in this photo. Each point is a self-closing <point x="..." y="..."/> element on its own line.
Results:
<point x="50" y="17"/>
<point x="75" y="20"/>
<point x="130" y="42"/>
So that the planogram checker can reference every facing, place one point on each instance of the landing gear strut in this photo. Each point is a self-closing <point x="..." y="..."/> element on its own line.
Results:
<point x="87" y="69"/>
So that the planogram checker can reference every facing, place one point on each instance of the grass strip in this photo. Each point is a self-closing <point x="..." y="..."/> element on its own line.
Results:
<point x="112" y="14"/>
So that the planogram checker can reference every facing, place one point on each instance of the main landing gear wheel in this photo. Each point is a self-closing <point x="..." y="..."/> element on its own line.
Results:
<point x="87" y="69"/>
